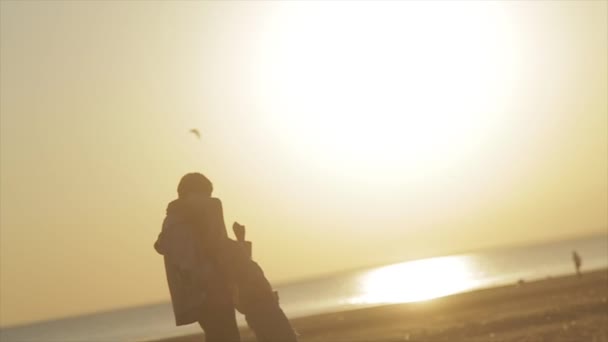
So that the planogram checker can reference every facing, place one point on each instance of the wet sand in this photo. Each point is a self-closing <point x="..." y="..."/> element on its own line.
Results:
<point x="554" y="309"/>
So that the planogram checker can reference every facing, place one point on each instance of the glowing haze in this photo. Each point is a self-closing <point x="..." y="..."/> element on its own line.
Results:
<point x="342" y="134"/>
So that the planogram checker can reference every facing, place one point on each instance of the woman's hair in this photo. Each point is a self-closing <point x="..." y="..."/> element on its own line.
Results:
<point x="193" y="183"/>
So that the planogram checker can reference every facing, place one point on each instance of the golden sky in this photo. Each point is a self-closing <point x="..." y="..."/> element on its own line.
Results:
<point x="342" y="134"/>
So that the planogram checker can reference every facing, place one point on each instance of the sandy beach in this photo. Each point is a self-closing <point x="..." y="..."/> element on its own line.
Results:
<point x="554" y="309"/>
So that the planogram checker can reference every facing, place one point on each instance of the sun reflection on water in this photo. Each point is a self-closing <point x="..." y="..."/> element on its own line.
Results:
<point x="417" y="280"/>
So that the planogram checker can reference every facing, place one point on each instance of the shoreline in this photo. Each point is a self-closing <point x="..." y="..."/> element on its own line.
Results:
<point x="565" y="308"/>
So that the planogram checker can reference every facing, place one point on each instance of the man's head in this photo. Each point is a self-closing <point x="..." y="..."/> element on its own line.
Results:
<point x="194" y="183"/>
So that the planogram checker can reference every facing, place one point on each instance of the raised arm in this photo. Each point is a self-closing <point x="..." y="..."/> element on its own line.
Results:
<point x="239" y="232"/>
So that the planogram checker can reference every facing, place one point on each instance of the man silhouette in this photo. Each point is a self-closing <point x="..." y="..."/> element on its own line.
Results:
<point x="210" y="274"/>
<point x="191" y="241"/>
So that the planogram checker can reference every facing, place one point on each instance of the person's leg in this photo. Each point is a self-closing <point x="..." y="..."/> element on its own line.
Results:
<point x="219" y="324"/>
<point x="218" y="317"/>
<point x="270" y="324"/>
<point x="260" y="304"/>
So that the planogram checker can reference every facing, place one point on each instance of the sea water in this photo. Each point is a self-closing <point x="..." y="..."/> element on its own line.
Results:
<point x="407" y="281"/>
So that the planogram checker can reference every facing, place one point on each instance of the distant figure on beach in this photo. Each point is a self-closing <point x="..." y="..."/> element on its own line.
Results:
<point x="210" y="275"/>
<point x="577" y="262"/>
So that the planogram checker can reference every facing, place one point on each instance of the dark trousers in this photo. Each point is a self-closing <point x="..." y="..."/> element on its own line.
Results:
<point x="219" y="324"/>
<point x="218" y="316"/>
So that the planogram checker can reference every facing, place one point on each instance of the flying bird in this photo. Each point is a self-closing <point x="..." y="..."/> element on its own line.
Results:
<point x="196" y="133"/>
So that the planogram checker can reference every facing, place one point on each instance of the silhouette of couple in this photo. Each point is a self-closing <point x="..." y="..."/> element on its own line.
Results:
<point x="210" y="275"/>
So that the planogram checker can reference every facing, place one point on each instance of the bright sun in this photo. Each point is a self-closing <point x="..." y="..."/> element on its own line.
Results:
<point x="383" y="86"/>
